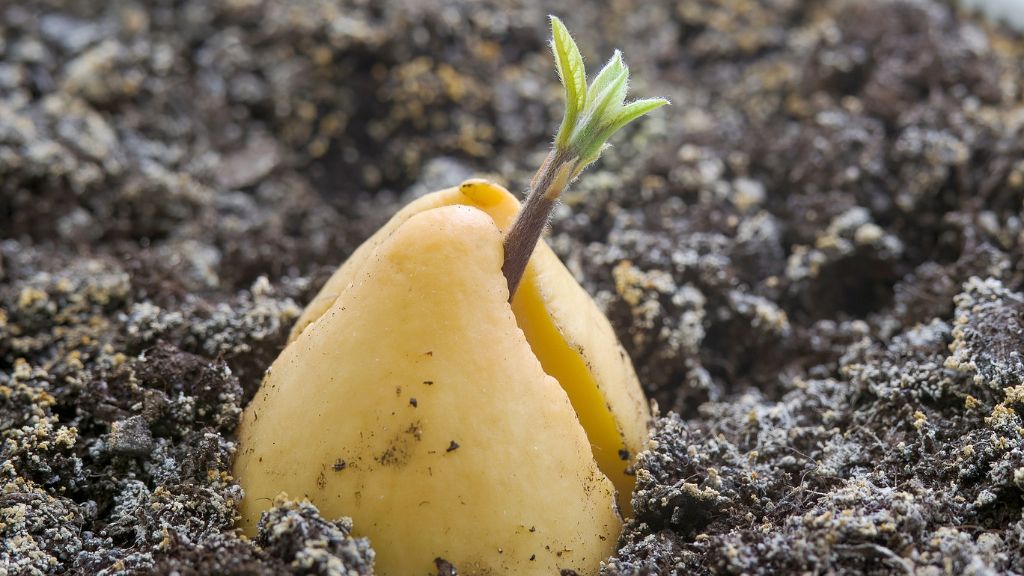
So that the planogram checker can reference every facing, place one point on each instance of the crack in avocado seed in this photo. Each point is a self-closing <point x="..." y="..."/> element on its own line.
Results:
<point x="566" y="365"/>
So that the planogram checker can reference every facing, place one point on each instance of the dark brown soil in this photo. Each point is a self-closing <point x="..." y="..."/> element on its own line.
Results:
<point x="815" y="258"/>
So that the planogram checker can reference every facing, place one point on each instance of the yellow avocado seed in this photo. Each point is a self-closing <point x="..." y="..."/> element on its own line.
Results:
<point x="445" y="421"/>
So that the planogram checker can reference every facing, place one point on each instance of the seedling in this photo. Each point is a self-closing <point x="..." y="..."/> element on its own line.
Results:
<point x="593" y="114"/>
<point x="448" y="419"/>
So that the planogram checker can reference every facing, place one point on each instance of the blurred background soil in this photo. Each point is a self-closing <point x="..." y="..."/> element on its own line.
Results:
<point x="815" y="258"/>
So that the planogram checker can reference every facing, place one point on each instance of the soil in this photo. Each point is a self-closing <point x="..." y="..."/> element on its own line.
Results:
<point x="815" y="258"/>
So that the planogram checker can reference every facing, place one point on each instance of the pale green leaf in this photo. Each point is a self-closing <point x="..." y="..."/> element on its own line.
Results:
<point x="572" y="73"/>
<point x="598" y="114"/>
<point x="610" y="71"/>
<point x="594" y="141"/>
<point x="634" y="110"/>
<point x="608" y="101"/>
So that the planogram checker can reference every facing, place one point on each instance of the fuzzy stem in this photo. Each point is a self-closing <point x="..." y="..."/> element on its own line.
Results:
<point x="546" y="186"/>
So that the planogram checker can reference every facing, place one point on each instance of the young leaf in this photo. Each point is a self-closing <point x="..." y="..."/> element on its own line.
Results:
<point x="623" y="116"/>
<point x="608" y="100"/>
<point x="597" y="116"/>
<point x="573" y="74"/>
<point x="634" y="110"/>
<point x="610" y="71"/>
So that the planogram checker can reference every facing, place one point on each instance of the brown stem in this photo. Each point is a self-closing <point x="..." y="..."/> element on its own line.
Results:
<point x="545" y="187"/>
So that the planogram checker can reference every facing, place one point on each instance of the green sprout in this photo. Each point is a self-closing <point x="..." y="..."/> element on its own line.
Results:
<point x="592" y="115"/>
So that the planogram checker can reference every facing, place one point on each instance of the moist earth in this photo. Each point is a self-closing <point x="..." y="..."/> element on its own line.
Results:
<point x="815" y="258"/>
